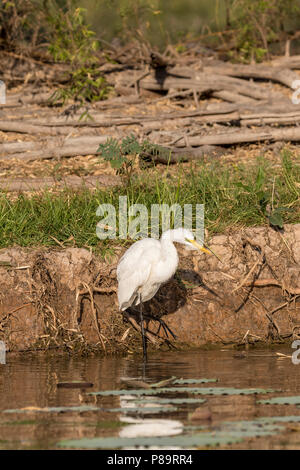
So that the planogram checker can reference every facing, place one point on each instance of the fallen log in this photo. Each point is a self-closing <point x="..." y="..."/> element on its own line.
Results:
<point x="240" y="136"/>
<point x="88" y="145"/>
<point x="233" y="97"/>
<point x="263" y="72"/>
<point x="207" y="83"/>
<point x="23" y="127"/>
<point x="54" y="148"/>
<point x="291" y="62"/>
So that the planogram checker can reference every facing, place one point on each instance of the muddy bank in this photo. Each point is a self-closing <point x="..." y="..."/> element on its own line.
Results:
<point x="66" y="298"/>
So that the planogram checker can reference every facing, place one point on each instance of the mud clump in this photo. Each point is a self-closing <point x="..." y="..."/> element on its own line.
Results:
<point x="66" y="298"/>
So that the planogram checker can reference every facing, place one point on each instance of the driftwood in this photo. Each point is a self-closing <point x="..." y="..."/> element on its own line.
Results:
<point x="52" y="149"/>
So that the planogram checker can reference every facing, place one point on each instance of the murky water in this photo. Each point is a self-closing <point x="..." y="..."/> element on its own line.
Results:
<point x="31" y="381"/>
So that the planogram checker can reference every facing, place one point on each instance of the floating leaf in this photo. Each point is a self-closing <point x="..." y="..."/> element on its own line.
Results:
<point x="142" y="391"/>
<point x="243" y="429"/>
<point x="196" y="440"/>
<point x="280" y="419"/>
<point x="194" y="390"/>
<point x="193" y="381"/>
<point x="281" y="401"/>
<point x="253" y="428"/>
<point x="173" y="401"/>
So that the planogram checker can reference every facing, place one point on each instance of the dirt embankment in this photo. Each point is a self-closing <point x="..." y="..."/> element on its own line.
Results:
<point x="67" y="298"/>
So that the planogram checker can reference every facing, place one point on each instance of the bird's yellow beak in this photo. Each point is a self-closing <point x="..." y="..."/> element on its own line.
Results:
<point x="198" y="246"/>
<point x="201" y="248"/>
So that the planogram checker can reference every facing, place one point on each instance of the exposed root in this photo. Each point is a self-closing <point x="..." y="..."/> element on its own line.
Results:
<point x="102" y="338"/>
<point x="274" y="282"/>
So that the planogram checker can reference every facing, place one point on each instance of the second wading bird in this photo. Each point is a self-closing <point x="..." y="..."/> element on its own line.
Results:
<point x="146" y="265"/>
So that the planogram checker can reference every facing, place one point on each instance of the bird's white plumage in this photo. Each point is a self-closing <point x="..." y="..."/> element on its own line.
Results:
<point x="147" y="264"/>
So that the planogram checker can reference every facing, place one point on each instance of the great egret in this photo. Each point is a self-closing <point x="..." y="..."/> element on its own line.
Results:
<point x="146" y="265"/>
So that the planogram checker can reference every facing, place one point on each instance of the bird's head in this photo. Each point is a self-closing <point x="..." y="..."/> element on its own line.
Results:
<point x="186" y="238"/>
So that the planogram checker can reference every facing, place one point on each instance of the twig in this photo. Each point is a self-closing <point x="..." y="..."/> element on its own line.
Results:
<point x="247" y="276"/>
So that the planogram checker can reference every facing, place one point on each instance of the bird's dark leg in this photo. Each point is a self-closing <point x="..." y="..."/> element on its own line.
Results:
<point x="162" y="324"/>
<point x="142" y="330"/>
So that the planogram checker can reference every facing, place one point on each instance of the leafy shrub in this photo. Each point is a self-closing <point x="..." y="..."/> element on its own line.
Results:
<point x="74" y="43"/>
<point x="259" y="22"/>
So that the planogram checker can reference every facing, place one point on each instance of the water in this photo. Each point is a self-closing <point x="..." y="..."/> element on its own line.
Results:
<point x="31" y="381"/>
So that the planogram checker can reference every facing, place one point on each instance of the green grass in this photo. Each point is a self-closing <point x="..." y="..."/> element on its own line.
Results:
<point x="234" y="196"/>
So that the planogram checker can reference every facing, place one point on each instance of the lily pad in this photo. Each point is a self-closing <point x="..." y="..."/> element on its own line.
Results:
<point x="252" y="428"/>
<point x="193" y="381"/>
<point x="258" y="426"/>
<point x="280" y="419"/>
<point x="194" y="390"/>
<point x="242" y="429"/>
<point x="281" y="401"/>
<point x="196" y="440"/>
<point x="171" y="401"/>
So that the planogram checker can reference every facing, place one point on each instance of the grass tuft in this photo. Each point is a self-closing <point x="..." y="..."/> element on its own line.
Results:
<point x="235" y="196"/>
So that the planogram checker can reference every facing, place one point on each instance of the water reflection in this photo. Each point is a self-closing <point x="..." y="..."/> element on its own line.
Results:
<point x="31" y="381"/>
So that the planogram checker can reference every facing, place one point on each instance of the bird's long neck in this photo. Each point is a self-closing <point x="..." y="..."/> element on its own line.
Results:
<point x="168" y="249"/>
<point x="168" y="263"/>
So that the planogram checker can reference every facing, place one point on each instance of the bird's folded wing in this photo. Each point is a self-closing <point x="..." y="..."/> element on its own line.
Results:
<point x="134" y="270"/>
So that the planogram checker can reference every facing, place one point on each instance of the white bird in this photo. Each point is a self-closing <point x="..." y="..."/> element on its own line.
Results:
<point x="146" y="265"/>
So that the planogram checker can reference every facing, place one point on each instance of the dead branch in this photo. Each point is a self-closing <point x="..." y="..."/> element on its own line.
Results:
<point x="264" y="72"/>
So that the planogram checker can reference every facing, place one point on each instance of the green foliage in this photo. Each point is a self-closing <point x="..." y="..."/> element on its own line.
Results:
<point x="264" y="198"/>
<point x="35" y="220"/>
<point x="84" y="84"/>
<point x="62" y="26"/>
<point x="259" y="22"/>
<point x="136" y="17"/>
<point x="72" y="42"/>
<point x="20" y="24"/>
<point x="122" y="155"/>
